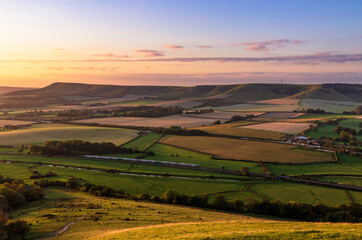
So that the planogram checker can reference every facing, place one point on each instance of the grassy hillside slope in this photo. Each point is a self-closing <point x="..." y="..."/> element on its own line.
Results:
<point x="212" y="94"/>
<point x="124" y="219"/>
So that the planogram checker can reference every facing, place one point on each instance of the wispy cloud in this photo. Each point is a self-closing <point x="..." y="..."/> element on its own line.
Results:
<point x="150" y="53"/>
<point x="303" y="59"/>
<point x="111" y="55"/>
<point x="92" y="69"/>
<point x="268" y="45"/>
<point x="204" y="46"/>
<point x="170" y="46"/>
<point x="58" y="49"/>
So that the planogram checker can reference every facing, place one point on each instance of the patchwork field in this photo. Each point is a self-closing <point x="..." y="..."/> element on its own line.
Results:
<point x="283" y="127"/>
<point x="226" y="148"/>
<point x="236" y="129"/>
<point x="175" y="120"/>
<point x="187" y="104"/>
<point x="153" y="185"/>
<point x="346" y="165"/>
<point x="219" y="115"/>
<point x="319" y="116"/>
<point x="281" y="115"/>
<point x="39" y="133"/>
<point x="328" y="130"/>
<point x="142" y="142"/>
<point x="14" y="123"/>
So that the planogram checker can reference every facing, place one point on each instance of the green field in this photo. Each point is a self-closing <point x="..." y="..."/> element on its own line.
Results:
<point x="143" y="142"/>
<point x="328" y="130"/>
<point x="355" y="181"/>
<point x="293" y="192"/>
<point x="133" y="185"/>
<point x="39" y="133"/>
<point x="119" y="165"/>
<point x="324" y="115"/>
<point x="328" y="105"/>
<point x="158" y="185"/>
<point x="347" y="165"/>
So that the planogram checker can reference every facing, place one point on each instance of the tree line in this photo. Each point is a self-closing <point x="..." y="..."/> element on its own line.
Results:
<point x="139" y="111"/>
<point x="77" y="147"/>
<point x="15" y="194"/>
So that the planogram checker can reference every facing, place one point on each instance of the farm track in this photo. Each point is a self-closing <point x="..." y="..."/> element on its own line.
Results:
<point x="65" y="228"/>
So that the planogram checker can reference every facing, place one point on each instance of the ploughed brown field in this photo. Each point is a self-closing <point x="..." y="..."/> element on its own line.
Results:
<point x="14" y="123"/>
<point x="227" y="148"/>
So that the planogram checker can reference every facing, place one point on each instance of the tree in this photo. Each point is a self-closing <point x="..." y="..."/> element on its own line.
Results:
<point x="237" y="205"/>
<point x="220" y="202"/>
<point x="4" y="205"/>
<point x="72" y="182"/>
<point x="14" y="198"/>
<point x="169" y="196"/>
<point x="18" y="229"/>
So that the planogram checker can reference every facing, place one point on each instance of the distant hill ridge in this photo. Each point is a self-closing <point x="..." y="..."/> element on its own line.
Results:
<point x="5" y="90"/>
<point x="232" y="93"/>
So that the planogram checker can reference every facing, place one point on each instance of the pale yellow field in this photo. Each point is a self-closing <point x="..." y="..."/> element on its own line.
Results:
<point x="39" y="133"/>
<point x="14" y="123"/>
<point x="283" y="127"/>
<point x="226" y="148"/>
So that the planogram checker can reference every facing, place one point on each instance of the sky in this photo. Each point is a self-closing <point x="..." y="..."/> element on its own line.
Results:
<point x="180" y="42"/>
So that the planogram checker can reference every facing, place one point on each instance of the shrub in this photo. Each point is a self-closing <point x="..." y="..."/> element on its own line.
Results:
<point x="14" y="198"/>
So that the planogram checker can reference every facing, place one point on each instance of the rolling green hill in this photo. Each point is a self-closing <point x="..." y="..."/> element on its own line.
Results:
<point x="211" y="95"/>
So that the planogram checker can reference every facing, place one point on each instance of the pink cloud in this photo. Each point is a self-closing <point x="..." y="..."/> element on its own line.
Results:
<point x="268" y="45"/>
<point x="150" y="53"/>
<point x="204" y="46"/>
<point x="111" y="55"/>
<point x="170" y="46"/>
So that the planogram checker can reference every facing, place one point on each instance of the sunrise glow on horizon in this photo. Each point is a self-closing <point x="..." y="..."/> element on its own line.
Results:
<point x="179" y="42"/>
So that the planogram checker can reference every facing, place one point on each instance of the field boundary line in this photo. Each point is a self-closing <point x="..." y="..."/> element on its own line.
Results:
<point x="133" y="139"/>
<point x="155" y="141"/>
